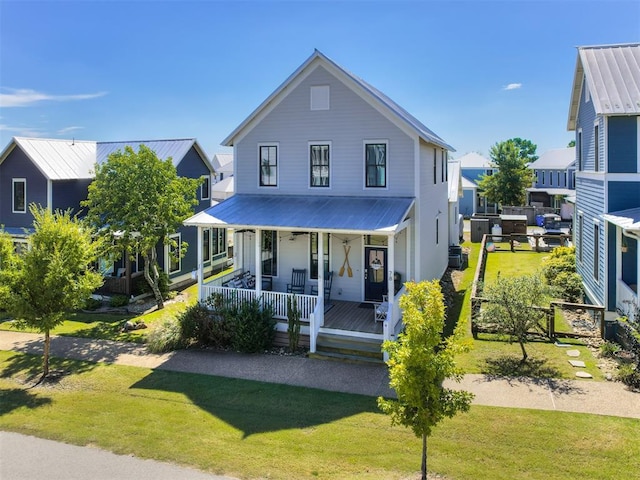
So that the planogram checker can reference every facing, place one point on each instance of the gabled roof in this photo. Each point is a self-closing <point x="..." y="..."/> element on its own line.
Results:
<point x="57" y="159"/>
<point x="555" y="159"/>
<point x="223" y="189"/>
<point x="223" y="162"/>
<point x="307" y="213"/>
<point x="371" y="94"/>
<point x="612" y="73"/>
<point x="468" y="184"/>
<point x="176" y="149"/>
<point x="474" y="160"/>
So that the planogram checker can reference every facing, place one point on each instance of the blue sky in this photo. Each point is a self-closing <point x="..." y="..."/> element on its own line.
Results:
<point x="474" y="72"/>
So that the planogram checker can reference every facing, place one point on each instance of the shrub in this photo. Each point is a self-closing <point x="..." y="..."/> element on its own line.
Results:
<point x="195" y="323"/>
<point x="165" y="336"/>
<point x="293" y="329"/>
<point x="609" y="349"/>
<point x="254" y="327"/>
<point x="629" y="375"/>
<point x="92" y="304"/>
<point x="119" y="301"/>
<point x="562" y="259"/>
<point x="569" y="286"/>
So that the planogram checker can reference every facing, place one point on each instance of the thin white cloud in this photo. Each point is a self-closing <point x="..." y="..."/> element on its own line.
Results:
<point x="22" y="131"/>
<point x="513" y="86"/>
<point x="25" y="97"/>
<point x="64" y="131"/>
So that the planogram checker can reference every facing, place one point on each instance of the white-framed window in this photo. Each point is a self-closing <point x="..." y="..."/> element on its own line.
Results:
<point x="268" y="164"/>
<point x="596" y="148"/>
<point x="559" y="184"/>
<point x="435" y="166"/>
<point x="313" y="253"/>
<point x="579" y="150"/>
<point x="319" y="166"/>
<point x="580" y="235"/>
<point x="269" y="253"/>
<point x="542" y="181"/>
<point x="19" y="198"/>
<point x="205" y="188"/>
<point x="174" y="260"/>
<point x="218" y="241"/>
<point x="445" y="164"/>
<point x="437" y="231"/>
<point x="376" y="164"/>
<point x="20" y="246"/>
<point x="550" y="178"/>
<point x="320" y="97"/>
<point x="566" y="178"/>
<point x="206" y="245"/>
<point x="596" y="250"/>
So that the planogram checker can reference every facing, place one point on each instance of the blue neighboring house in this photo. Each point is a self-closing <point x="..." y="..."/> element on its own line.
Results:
<point x="605" y="116"/>
<point x="554" y="180"/>
<point x="56" y="174"/>
<point x="473" y="167"/>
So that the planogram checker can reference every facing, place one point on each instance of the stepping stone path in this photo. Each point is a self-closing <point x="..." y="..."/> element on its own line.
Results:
<point x="578" y="364"/>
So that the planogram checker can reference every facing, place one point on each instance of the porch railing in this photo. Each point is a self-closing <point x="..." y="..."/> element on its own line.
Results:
<point x="219" y="281"/>
<point x="626" y="297"/>
<point x="278" y="300"/>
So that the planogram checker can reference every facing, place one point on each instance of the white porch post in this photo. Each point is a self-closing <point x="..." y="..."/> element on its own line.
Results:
<point x="238" y="250"/>
<point x="321" y="272"/>
<point x="258" y="267"/>
<point x="408" y="252"/>
<point x="200" y="262"/>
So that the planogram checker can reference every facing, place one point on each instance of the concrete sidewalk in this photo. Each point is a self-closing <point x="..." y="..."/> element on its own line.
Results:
<point x="581" y="396"/>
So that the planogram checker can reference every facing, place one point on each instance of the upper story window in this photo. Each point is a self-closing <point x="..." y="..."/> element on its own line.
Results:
<point x="375" y="164"/>
<point x="542" y="178"/>
<point x="268" y="165"/>
<point x="19" y="195"/>
<point x="320" y="97"/>
<point x="596" y="148"/>
<point x="490" y="172"/>
<point x="319" y="160"/>
<point x="551" y="178"/>
<point x="596" y="252"/>
<point x="579" y="151"/>
<point x="205" y="188"/>
<point x="435" y="166"/>
<point x="559" y="184"/>
<point x="443" y="167"/>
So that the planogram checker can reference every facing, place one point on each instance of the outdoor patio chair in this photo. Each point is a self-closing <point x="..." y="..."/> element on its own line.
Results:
<point x="328" y="280"/>
<point x="380" y="309"/>
<point x="298" y="279"/>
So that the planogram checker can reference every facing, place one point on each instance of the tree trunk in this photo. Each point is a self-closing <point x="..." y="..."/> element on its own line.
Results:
<point x="524" y="352"/>
<point x="150" y="263"/>
<point x="45" y="359"/>
<point x="424" y="456"/>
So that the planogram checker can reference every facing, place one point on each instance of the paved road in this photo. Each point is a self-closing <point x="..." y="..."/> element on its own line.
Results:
<point x="30" y="458"/>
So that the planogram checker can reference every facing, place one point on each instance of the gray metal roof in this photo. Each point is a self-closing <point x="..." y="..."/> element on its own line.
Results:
<point x="377" y="96"/>
<point x="555" y="159"/>
<point x="176" y="149"/>
<point x="612" y="73"/>
<point x="468" y="184"/>
<point x="57" y="159"/>
<point x="307" y="213"/>
<point x="474" y="160"/>
<point x="223" y="162"/>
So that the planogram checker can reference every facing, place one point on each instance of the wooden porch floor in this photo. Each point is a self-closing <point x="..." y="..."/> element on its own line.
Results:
<point x="349" y="316"/>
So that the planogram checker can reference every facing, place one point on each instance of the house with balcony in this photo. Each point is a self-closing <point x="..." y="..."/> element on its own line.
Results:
<point x="473" y="167"/>
<point x="604" y="113"/>
<point x="340" y="196"/>
<point x="554" y="180"/>
<point x="56" y="174"/>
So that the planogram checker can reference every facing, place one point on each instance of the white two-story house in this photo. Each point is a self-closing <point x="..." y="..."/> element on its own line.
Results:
<point x="335" y="181"/>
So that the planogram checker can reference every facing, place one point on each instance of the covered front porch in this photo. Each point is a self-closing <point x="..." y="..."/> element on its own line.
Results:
<point x="351" y="277"/>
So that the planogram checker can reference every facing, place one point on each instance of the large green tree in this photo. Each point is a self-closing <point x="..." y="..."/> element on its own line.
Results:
<point x="526" y="148"/>
<point x="136" y="202"/>
<point x="511" y="176"/>
<point x="511" y="306"/>
<point x="54" y="275"/>
<point x="419" y="362"/>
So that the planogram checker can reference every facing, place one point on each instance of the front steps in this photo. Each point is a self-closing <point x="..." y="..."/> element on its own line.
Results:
<point x="346" y="348"/>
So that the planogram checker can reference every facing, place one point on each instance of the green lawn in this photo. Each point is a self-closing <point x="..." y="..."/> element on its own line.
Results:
<point x="257" y="430"/>
<point x="510" y="264"/>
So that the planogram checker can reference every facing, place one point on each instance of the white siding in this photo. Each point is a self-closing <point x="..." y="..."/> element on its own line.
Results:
<point x="349" y="121"/>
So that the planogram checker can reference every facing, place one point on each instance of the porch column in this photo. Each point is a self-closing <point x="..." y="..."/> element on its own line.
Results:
<point x="238" y="246"/>
<point x="321" y="273"/>
<point x="391" y="242"/>
<point x="200" y="270"/>
<point x="258" y="267"/>
<point x="408" y="252"/>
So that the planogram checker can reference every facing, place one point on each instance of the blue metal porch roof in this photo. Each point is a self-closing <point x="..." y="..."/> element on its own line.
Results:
<point x="310" y="213"/>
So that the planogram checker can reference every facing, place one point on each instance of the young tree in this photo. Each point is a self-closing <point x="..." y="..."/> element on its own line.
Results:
<point x="137" y="201"/>
<point x="511" y="306"/>
<point x="419" y="362"/>
<point x="8" y="266"/>
<point x="508" y="184"/>
<point x="53" y="277"/>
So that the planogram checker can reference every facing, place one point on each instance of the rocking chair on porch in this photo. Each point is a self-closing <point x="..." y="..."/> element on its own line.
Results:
<point x="298" y="279"/>
<point x="328" y="280"/>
